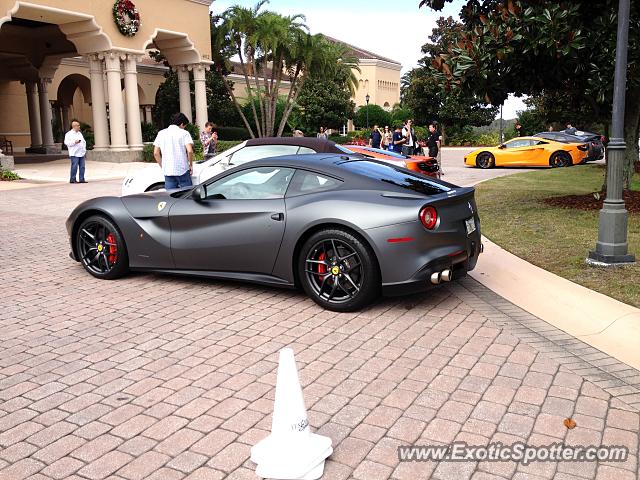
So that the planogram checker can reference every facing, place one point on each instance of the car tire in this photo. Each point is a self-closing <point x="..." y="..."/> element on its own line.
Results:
<point x="344" y="282"/>
<point x="99" y="235"/>
<point x="560" y="159"/>
<point x="485" y="160"/>
<point x="155" y="187"/>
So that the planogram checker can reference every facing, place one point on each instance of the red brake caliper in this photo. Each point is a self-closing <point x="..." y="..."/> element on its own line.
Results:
<point x="322" y="269"/>
<point x="113" y="249"/>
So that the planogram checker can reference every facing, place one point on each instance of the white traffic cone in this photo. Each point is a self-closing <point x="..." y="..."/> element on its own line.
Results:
<point x="291" y="452"/>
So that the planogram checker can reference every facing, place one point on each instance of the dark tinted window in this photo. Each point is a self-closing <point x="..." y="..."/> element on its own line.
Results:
<point x="396" y="176"/>
<point x="309" y="182"/>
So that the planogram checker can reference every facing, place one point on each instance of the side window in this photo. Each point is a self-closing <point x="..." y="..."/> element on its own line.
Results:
<point x="305" y="150"/>
<point x="309" y="182"/>
<point x="257" y="152"/>
<point x="518" y="143"/>
<point x="252" y="184"/>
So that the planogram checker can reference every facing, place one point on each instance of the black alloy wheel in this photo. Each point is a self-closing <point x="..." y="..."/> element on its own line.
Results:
<point x="485" y="160"/>
<point x="101" y="249"/>
<point x="338" y="271"/>
<point x="560" y="159"/>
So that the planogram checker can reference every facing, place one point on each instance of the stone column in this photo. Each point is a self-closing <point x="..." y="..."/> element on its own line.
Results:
<point x="147" y="114"/>
<point x="66" y="121"/>
<point x="199" y="74"/>
<point x="45" y="113"/>
<point x="133" y="102"/>
<point x="184" y="91"/>
<point x="34" y="114"/>
<point x="116" y="105"/>
<point x="98" y="105"/>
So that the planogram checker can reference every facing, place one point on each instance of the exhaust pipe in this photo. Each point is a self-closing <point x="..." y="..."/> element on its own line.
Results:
<point x="446" y="275"/>
<point x="435" y="278"/>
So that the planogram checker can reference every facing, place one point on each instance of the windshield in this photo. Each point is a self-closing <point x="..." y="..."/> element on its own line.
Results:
<point x="397" y="176"/>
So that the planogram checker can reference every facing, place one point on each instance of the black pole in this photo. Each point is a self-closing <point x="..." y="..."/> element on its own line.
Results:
<point x="612" y="246"/>
<point x="367" y="113"/>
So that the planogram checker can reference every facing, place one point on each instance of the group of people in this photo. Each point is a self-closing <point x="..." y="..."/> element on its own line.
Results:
<point x="403" y="139"/>
<point x="172" y="149"/>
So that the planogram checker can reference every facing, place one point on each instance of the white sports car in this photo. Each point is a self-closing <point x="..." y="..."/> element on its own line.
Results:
<point x="151" y="178"/>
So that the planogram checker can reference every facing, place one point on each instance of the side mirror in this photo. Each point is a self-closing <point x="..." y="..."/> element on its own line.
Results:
<point x="502" y="145"/>
<point x="199" y="193"/>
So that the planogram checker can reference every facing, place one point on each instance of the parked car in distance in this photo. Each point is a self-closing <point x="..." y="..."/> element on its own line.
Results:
<point x="528" y="152"/>
<point x="151" y="178"/>
<point x="344" y="228"/>
<point x="595" y="141"/>
<point x="417" y="163"/>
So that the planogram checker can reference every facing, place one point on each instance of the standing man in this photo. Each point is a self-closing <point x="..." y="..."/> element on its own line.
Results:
<point x="434" y="142"/>
<point x="77" y="147"/>
<point x="397" y="141"/>
<point x="571" y="130"/>
<point x="519" y="131"/>
<point x="173" y="150"/>
<point x="375" y="138"/>
<point x="209" y="139"/>
<point x="407" y="132"/>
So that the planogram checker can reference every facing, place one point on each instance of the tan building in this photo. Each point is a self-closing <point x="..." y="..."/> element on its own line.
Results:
<point x="69" y="60"/>
<point x="379" y="77"/>
<point x="60" y="61"/>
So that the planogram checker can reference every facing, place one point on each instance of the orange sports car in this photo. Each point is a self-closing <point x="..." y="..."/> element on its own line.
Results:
<point x="417" y="163"/>
<point x="529" y="152"/>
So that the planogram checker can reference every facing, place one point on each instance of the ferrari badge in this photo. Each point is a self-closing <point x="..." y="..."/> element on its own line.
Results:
<point x="161" y="205"/>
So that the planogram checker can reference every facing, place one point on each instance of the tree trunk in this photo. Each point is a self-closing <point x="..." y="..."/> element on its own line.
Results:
<point x="290" y="101"/>
<point x="259" y="96"/>
<point x="237" y="104"/>
<point x="249" y="92"/>
<point x="631" y="126"/>
<point x="288" y="108"/>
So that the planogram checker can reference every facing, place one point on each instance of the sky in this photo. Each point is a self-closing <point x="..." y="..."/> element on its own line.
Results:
<point x="395" y="29"/>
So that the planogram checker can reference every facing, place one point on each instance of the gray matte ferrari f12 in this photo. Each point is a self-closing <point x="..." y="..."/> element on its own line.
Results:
<point x="345" y="229"/>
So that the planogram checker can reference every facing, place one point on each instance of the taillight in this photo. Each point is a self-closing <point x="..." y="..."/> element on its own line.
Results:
<point x="583" y="147"/>
<point x="429" y="217"/>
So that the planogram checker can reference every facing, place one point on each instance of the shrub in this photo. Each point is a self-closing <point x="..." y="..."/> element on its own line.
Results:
<point x="147" y="153"/>
<point x="377" y="115"/>
<point x="149" y="132"/>
<point x="233" y="133"/>
<point x="8" y="175"/>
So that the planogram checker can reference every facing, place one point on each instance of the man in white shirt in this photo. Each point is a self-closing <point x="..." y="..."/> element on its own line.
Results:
<point x="77" y="147"/>
<point x="173" y="150"/>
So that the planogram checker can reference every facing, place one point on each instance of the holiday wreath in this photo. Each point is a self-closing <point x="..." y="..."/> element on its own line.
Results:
<point x="126" y="17"/>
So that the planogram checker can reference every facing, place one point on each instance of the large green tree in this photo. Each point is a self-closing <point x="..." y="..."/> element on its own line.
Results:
<point x="272" y="49"/>
<point x="543" y="47"/>
<point x="423" y="93"/>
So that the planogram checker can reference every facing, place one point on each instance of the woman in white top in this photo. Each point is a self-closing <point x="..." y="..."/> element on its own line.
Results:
<point x="77" y="147"/>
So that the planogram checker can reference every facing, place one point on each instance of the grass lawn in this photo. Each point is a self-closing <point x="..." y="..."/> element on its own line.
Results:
<point x="554" y="238"/>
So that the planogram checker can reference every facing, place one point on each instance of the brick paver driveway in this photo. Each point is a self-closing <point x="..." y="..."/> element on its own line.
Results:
<point x="157" y="376"/>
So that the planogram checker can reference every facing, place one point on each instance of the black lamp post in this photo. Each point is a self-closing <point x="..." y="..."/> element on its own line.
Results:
<point x="612" y="246"/>
<point x="366" y="99"/>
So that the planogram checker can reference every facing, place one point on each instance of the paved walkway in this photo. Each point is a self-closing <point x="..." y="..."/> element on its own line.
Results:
<point x="155" y="376"/>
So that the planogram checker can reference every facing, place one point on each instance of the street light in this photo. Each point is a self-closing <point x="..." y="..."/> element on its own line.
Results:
<point x="366" y="99"/>
<point x="611" y="247"/>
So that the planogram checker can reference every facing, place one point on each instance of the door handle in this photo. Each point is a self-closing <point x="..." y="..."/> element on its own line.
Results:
<point x="278" y="217"/>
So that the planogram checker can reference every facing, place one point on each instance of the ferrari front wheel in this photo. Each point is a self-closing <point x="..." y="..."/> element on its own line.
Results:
<point x="485" y="160"/>
<point x="338" y="270"/>
<point x="101" y="249"/>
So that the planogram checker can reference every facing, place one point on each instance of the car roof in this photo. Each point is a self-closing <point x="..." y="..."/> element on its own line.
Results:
<point x="320" y="145"/>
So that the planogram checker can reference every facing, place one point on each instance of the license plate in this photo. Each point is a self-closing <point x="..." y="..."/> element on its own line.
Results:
<point x="471" y="225"/>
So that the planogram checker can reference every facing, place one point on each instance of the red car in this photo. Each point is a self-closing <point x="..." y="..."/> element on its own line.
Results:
<point x="417" y="163"/>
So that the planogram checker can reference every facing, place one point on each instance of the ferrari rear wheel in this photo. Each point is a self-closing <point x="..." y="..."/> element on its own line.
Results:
<point x="485" y="160"/>
<point x="101" y="249"/>
<point x="560" y="159"/>
<point x="338" y="271"/>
